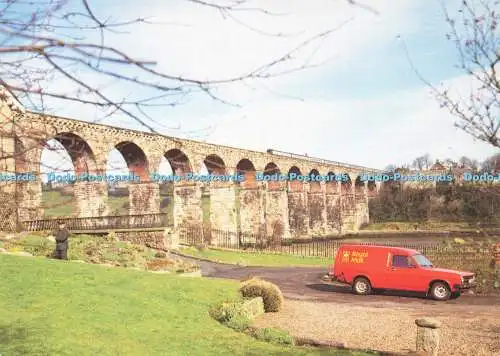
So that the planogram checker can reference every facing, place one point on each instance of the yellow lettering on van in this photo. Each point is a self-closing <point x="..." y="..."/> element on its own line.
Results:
<point x="360" y="254"/>
<point x="357" y="260"/>
<point x="345" y="256"/>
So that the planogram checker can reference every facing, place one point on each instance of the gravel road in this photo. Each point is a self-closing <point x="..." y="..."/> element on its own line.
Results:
<point x="385" y="322"/>
<point x="304" y="283"/>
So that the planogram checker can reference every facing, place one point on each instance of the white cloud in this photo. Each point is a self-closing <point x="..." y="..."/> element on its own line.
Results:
<point x="375" y="132"/>
<point x="203" y="44"/>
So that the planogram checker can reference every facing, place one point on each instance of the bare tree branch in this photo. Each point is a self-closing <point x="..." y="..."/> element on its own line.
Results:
<point x="475" y="33"/>
<point x="52" y="41"/>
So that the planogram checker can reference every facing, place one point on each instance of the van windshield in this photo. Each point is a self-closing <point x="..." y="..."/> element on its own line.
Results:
<point x="422" y="260"/>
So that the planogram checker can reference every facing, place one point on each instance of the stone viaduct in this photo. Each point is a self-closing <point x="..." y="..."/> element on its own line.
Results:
<point x="284" y="208"/>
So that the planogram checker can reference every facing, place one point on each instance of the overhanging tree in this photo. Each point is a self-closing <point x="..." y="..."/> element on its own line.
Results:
<point x="474" y="30"/>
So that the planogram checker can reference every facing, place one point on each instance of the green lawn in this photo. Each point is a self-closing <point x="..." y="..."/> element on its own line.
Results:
<point x="118" y="205"/>
<point x="52" y="307"/>
<point x="55" y="204"/>
<point x="257" y="259"/>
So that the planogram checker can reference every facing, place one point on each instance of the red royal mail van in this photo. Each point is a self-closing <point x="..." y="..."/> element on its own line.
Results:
<point x="366" y="268"/>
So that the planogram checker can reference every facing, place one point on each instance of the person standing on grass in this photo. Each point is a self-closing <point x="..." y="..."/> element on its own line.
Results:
<point x="62" y="235"/>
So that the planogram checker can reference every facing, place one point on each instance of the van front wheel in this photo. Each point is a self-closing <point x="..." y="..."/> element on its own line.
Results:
<point x="440" y="291"/>
<point x="362" y="286"/>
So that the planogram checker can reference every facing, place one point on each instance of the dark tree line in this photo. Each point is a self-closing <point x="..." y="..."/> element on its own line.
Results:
<point x="446" y="202"/>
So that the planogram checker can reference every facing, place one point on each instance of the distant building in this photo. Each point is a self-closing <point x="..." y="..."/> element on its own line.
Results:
<point x="438" y="167"/>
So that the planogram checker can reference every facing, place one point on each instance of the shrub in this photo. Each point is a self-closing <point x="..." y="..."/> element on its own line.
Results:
<point x="158" y="265"/>
<point x="160" y="254"/>
<point x="270" y="293"/>
<point x="274" y="335"/>
<point x="201" y="247"/>
<point x="171" y="265"/>
<point x="226" y="311"/>
<point x="36" y="245"/>
<point x="112" y="236"/>
<point x="238" y="323"/>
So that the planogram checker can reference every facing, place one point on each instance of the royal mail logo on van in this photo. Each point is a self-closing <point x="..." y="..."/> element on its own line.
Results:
<point x="354" y="257"/>
<point x="345" y="257"/>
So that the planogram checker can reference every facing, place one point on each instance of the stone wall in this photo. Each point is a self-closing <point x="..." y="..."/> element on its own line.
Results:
<point x="153" y="239"/>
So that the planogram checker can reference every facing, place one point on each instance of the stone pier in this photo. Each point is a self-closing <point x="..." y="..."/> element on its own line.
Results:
<point x="29" y="200"/>
<point x="252" y="225"/>
<point x="348" y="212"/>
<point x="91" y="198"/>
<point x="361" y="201"/>
<point x="317" y="208"/>
<point x="333" y="213"/>
<point x="276" y="212"/>
<point x="223" y="211"/>
<point x="144" y="198"/>
<point x="298" y="210"/>
<point x="188" y="214"/>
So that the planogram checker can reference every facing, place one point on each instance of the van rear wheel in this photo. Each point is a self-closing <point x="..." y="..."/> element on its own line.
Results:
<point x="362" y="286"/>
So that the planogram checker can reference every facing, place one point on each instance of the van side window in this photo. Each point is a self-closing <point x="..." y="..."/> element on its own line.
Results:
<point x="400" y="261"/>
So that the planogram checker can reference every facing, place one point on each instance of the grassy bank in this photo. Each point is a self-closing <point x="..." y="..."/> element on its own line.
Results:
<point x="412" y="226"/>
<point x="99" y="250"/>
<point x="256" y="259"/>
<point x="63" y="308"/>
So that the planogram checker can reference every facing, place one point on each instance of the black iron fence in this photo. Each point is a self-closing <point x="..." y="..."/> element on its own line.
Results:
<point x="321" y="247"/>
<point x="473" y="256"/>
<point x="100" y="222"/>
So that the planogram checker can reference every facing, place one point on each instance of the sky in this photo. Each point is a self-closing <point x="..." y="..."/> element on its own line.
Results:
<point x="360" y="103"/>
